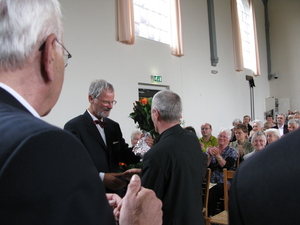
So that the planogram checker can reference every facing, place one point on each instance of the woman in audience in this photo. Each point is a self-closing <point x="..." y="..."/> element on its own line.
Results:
<point x="219" y="157"/>
<point x="241" y="145"/>
<point x="266" y="126"/>
<point x="258" y="141"/>
<point x="135" y="137"/>
<point x="234" y="123"/>
<point x="293" y="124"/>
<point x="272" y="135"/>
<point x="257" y="125"/>
<point x="269" y="119"/>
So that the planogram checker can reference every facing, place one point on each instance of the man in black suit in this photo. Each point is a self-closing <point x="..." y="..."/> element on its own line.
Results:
<point x="265" y="189"/>
<point x="105" y="143"/>
<point x="172" y="167"/>
<point x="46" y="175"/>
<point x="281" y="126"/>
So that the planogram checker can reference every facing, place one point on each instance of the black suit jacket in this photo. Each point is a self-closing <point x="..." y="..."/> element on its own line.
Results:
<point x="46" y="176"/>
<point x="105" y="158"/>
<point x="173" y="169"/>
<point x="265" y="189"/>
<point x="285" y="128"/>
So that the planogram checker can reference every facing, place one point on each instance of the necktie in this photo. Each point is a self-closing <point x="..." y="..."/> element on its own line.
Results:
<point x="101" y="123"/>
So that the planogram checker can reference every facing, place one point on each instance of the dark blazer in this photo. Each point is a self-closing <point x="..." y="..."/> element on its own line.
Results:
<point x="173" y="169"/>
<point x="105" y="158"/>
<point x="285" y="128"/>
<point x="265" y="189"/>
<point x="46" y="176"/>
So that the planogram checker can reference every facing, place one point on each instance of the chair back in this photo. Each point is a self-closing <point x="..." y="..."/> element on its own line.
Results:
<point x="227" y="174"/>
<point x="206" y="195"/>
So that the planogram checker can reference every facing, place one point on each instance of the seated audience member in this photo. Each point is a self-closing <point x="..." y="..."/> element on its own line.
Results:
<point x="191" y="129"/>
<point x="241" y="145"/>
<point x="272" y="135"/>
<point x="281" y="126"/>
<point x="246" y="121"/>
<point x="266" y="126"/>
<point x="297" y="115"/>
<point x="289" y="117"/>
<point x="293" y="124"/>
<point x="207" y="140"/>
<point x="264" y="196"/>
<point x="257" y="125"/>
<point x="219" y="157"/>
<point x="258" y="141"/>
<point x="136" y="135"/>
<point x="234" y="123"/>
<point x="269" y="119"/>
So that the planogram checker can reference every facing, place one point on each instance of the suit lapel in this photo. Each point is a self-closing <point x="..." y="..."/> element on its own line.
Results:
<point x="93" y="130"/>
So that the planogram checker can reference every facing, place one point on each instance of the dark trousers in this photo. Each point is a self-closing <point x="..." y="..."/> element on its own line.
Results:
<point x="215" y="193"/>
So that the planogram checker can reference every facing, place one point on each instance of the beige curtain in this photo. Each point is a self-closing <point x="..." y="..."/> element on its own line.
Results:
<point x="237" y="40"/>
<point x="126" y="22"/>
<point x="176" y="32"/>
<point x="257" y="69"/>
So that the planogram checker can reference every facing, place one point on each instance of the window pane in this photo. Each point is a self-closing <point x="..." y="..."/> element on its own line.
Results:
<point x="152" y="19"/>
<point x="247" y="34"/>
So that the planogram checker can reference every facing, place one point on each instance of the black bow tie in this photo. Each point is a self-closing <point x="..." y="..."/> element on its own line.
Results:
<point x="101" y="123"/>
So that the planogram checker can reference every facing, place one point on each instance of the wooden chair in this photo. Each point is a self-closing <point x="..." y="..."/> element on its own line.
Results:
<point x="206" y="194"/>
<point x="222" y="217"/>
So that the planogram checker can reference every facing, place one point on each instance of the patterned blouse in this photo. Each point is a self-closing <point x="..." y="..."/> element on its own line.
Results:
<point x="230" y="155"/>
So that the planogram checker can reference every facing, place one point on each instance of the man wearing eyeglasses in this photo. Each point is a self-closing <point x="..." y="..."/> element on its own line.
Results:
<point x="102" y="136"/>
<point x="207" y="140"/>
<point x="46" y="175"/>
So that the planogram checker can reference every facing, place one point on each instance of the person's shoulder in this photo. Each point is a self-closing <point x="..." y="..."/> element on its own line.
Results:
<point x="77" y="119"/>
<point x="214" y="138"/>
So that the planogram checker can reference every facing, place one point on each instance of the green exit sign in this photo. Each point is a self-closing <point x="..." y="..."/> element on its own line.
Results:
<point x="156" y="79"/>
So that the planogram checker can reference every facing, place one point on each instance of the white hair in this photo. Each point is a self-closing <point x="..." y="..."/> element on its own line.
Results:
<point x="227" y="132"/>
<point x="24" y="25"/>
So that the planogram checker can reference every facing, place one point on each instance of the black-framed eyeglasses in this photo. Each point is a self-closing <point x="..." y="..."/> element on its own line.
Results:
<point x="108" y="102"/>
<point x="67" y="54"/>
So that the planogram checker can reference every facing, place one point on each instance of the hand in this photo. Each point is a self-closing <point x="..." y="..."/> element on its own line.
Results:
<point x="149" y="141"/>
<point x="139" y="206"/>
<point x="213" y="151"/>
<point x="129" y="173"/>
<point x="112" y="182"/>
<point x="114" y="200"/>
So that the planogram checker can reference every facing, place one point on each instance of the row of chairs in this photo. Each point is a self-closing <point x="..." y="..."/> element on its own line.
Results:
<point x="222" y="217"/>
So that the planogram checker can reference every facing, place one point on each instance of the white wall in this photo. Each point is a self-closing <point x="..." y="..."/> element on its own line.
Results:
<point x="285" y="50"/>
<point x="90" y="36"/>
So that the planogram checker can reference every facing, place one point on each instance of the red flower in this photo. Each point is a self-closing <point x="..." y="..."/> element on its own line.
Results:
<point x="144" y="101"/>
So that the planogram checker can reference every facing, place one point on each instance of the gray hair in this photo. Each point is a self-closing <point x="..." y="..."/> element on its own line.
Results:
<point x="135" y="132"/>
<point x="24" y="25"/>
<point x="168" y="104"/>
<point x="296" y="122"/>
<point x="97" y="86"/>
<point x="258" y="134"/>
<point x="236" y="121"/>
<point x="273" y="131"/>
<point x="226" y="130"/>
<point x="260" y="123"/>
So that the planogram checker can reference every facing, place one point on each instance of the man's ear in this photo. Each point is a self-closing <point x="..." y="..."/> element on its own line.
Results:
<point x="48" y="58"/>
<point x="90" y="99"/>
<point x="156" y="114"/>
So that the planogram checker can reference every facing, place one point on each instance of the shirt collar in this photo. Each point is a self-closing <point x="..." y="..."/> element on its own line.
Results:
<point x="20" y="99"/>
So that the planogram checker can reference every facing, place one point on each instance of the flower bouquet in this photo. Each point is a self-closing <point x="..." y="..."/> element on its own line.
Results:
<point x="142" y="116"/>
